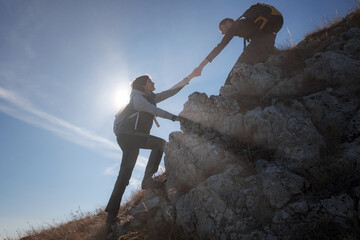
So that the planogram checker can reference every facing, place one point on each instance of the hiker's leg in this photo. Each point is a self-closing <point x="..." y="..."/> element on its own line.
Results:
<point x="130" y="154"/>
<point x="259" y="49"/>
<point x="157" y="148"/>
<point x="247" y="30"/>
<point x="227" y="82"/>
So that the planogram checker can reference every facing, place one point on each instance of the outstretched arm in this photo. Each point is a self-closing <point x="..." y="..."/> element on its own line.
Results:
<point x="176" y="88"/>
<point x="225" y="40"/>
<point x="199" y="69"/>
<point x="143" y="105"/>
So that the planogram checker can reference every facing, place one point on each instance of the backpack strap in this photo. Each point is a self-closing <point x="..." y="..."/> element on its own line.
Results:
<point x="239" y="17"/>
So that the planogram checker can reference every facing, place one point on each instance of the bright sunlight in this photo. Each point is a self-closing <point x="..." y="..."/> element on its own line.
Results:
<point x="121" y="95"/>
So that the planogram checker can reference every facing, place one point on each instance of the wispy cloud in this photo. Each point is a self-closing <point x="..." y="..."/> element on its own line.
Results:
<point x="139" y="166"/>
<point x="113" y="170"/>
<point x="18" y="107"/>
<point x="141" y="162"/>
<point x="135" y="183"/>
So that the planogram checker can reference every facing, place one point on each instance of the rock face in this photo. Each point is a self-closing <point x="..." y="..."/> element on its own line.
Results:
<point x="276" y="155"/>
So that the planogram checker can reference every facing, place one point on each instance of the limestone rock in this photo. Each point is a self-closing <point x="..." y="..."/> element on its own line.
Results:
<point x="251" y="80"/>
<point x="285" y="126"/>
<point x="280" y="185"/>
<point x="147" y="208"/>
<point x="331" y="110"/>
<point x="357" y="194"/>
<point x="208" y="210"/>
<point x="289" y="87"/>
<point x="190" y="159"/>
<point x="341" y="206"/>
<point x="333" y="68"/>
<point x="353" y="127"/>
<point x="309" y="217"/>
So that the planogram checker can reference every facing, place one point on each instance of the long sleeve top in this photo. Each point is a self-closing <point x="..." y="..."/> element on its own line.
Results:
<point x="139" y="113"/>
<point x="240" y="28"/>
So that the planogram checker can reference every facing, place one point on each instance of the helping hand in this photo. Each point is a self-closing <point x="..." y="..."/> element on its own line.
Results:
<point x="196" y="72"/>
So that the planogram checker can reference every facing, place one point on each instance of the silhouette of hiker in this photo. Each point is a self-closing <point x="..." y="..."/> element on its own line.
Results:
<point x="132" y="128"/>
<point x="259" y="25"/>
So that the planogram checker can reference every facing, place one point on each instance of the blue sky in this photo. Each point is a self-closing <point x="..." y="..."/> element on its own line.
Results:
<point x="65" y="67"/>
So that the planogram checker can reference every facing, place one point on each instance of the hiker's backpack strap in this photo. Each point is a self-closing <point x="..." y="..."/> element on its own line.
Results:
<point x="239" y="17"/>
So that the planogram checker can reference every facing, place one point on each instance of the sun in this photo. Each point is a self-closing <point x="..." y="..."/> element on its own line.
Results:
<point x="121" y="96"/>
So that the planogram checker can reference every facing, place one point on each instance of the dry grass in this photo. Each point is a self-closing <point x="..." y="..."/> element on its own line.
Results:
<point x="163" y="231"/>
<point x="315" y="42"/>
<point x="334" y="26"/>
<point x="92" y="226"/>
<point x="82" y="227"/>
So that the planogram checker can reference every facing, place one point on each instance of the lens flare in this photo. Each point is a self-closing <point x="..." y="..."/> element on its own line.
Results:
<point x="121" y="96"/>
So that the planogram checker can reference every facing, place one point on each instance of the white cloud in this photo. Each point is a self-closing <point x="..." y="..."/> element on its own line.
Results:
<point x="141" y="162"/>
<point x="113" y="170"/>
<point x="161" y="169"/>
<point x="22" y="109"/>
<point x="139" y="166"/>
<point x="135" y="183"/>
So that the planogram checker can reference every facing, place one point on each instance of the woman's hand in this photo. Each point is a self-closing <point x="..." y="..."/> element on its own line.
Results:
<point x="195" y="73"/>
<point x="175" y="118"/>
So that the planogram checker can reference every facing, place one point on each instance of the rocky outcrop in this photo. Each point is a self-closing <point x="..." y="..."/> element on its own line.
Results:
<point x="275" y="156"/>
<point x="228" y="204"/>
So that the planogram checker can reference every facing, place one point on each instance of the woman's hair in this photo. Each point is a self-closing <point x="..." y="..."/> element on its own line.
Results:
<point x="140" y="82"/>
<point x="225" y="20"/>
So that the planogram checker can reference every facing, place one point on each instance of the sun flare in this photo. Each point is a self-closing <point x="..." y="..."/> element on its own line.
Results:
<point x="121" y="96"/>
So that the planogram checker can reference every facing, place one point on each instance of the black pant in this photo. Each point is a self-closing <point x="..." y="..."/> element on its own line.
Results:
<point x="130" y="143"/>
<point x="258" y="50"/>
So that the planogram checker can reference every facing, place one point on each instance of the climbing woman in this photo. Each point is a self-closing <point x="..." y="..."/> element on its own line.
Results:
<point x="132" y="128"/>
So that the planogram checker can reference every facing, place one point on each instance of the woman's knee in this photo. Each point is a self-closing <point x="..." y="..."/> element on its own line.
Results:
<point x="161" y="143"/>
<point x="156" y="143"/>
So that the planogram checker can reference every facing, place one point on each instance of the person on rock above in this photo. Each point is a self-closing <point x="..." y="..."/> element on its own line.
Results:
<point x="259" y="25"/>
<point x="132" y="128"/>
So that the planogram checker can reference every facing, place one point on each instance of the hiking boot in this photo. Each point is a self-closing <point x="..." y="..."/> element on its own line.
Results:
<point x="151" y="183"/>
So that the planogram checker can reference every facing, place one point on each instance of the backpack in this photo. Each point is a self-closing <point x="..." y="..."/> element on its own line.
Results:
<point x="266" y="17"/>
